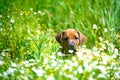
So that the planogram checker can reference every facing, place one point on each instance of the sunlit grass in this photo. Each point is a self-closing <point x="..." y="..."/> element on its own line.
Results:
<point x="28" y="49"/>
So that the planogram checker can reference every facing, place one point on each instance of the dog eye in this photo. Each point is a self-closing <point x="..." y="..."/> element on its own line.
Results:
<point x="66" y="38"/>
<point x="76" y="37"/>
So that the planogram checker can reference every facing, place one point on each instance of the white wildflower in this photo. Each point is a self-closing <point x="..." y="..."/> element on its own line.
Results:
<point x="70" y="76"/>
<point x="95" y="48"/>
<point x="93" y="64"/>
<point x="35" y="12"/>
<point x="115" y="68"/>
<point x="5" y="74"/>
<point x="60" y="61"/>
<point x="1" y="62"/>
<point x="105" y="59"/>
<point x="80" y="70"/>
<point x="22" y="71"/>
<point x="74" y="58"/>
<point x="106" y="41"/>
<point x="61" y="73"/>
<point x="40" y="72"/>
<point x="21" y="14"/>
<point x="111" y="47"/>
<point x="70" y="51"/>
<point x="75" y="72"/>
<point x="31" y="60"/>
<point x="114" y="64"/>
<point x="112" y="29"/>
<point x="31" y="9"/>
<point x="53" y="53"/>
<point x="95" y="27"/>
<point x="75" y="64"/>
<point x="68" y="61"/>
<point x="59" y="53"/>
<point x="25" y="78"/>
<point x="53" y="57"/>
<point x="116" y="51"/>
<point x="87" y="51"/>
<point x="101" y="76"/>
<point x="101" y="49"/>
<point x="74" y="78"/>
<point x="50" y="77"/>
<point x="66" y="67"/>
<point x="100" y="38"/>
<point x="45" y="61"/>
<point x="13" y="64"/>
<point x="97" y="53"/>
<point x="105" y="30"/>
<point x="117" y="75"/>
<point x="80" y="55"/>
<point x="54" y="63"/>
<point x="9" y="71"/>
<point x="91" y="78"/>
<point x="39" y="12"/>
<point x="102" y="69"/>
<point x="12" y="20"/>
<point x="3" y="53"/>
<point x="26" y="63"/>
<point x="86" y="65"/>
<point x="47" y="67"/>
<point x="114" y="56"/>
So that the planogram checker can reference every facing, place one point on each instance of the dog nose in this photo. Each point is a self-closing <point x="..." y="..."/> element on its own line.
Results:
<point x="71" y="45"/>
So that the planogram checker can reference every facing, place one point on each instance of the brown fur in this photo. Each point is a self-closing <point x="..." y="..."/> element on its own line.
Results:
<point x="70" y="39"/>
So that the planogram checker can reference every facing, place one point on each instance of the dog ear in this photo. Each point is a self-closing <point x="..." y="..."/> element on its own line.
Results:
<point x="59" y="37"/>
<point x="82" y="38"/>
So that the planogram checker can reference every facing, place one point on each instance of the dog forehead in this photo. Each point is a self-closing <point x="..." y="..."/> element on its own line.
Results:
<point x="71" y="32"/>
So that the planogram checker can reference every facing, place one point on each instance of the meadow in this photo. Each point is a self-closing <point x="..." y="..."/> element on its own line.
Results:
<point x="29" y="51"/>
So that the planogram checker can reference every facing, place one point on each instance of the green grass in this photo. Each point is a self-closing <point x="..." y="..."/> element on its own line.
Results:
<point x="27" y="38"/>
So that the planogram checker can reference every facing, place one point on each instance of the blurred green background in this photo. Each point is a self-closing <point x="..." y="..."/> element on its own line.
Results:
<point x="29" y="51"/>
<point x="28" y="27"/>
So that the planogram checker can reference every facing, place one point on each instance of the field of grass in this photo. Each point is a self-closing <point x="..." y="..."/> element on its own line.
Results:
<point x="29" y="51"/>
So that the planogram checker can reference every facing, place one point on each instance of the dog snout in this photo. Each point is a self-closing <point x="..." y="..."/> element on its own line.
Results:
<point x="71" y="46"/>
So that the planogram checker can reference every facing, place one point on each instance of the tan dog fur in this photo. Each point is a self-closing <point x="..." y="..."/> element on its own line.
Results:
<point x="70" y="39"/>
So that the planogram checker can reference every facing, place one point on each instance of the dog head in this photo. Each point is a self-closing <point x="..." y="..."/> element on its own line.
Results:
<point x="70" y="39"/>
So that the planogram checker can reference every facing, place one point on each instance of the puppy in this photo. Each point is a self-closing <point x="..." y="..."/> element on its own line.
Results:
<point x="70" y="39"/>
